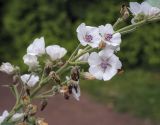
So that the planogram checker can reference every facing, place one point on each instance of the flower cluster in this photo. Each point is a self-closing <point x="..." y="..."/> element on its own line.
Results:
<point x="37" y="49"/>
<point x="142" y="11"/>
<point x="46" y="67"/>
<point x="104" y="64"/>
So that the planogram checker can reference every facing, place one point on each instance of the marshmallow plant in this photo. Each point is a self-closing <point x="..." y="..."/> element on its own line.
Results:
<point x="50" y="74"/>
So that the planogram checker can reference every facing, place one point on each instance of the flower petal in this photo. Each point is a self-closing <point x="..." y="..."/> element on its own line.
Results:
<point x="55" y="52"/>
<point x="83" y="57"/>
<point x="109" y="29"/>
<point x="115" y="62"/>
<point x="146" y="8"/>
<point x="81" y="32"/>
<point x="102" y="30"/>
<point x="94" y="59"/>
<point x="154" y="11"/>
<point x="116" y="39"/>
<point x="106" y="53"/>
<point x="94" y="32"/>
<point x="109" y="73"/>
<point x="37" y="47"/>
<point x="135" y="8"/>
<point x="29" y="79"/>
<point x="96" y="71"/>
<point x="4" y="116"/>
<point x="31" y="61"/>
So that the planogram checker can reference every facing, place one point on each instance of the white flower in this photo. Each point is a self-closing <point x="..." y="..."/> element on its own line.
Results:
<point x="37" y="47"/>
<point x="30" y="80"/>
<point x="17" y="116"/>
<point x="154" y="11"/>
<point x="104" y="65"/>
<point x="7" y="68"/>
<point x="88" y="35"/>
<point x="111" y="38"/>
<point x="143" y="8"/>
<point x="55" y="52"/>
<point x="31" y="61"/>
<point x="84" y="57"/>
<point x="4" y="115"/>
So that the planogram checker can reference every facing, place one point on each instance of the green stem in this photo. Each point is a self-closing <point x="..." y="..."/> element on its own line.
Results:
<point x="14" y="110"/>
<point x="73" y="54"/>
<point x="117" y="22"/>
<point x="78" y="63"/>
<point x="128" y="31"/>
<point x="132" y="26"/>
<point x="39" y="87"/>
<point x="84" y="52"/>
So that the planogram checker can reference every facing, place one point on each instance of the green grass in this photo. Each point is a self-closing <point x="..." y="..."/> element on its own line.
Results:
<point x="134" y="91"/>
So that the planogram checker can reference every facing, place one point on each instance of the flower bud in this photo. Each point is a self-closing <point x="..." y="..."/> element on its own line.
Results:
<point x="55" y="77"/>
<point x="75" y="73"/>
<point x="124" y="12"/>
<point x="26" y="100"/>
<point x="31" y="109"/>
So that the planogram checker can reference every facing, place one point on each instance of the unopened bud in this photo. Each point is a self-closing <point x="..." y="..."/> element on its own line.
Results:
<point x="55" y="77"/>
<point x="75" y="73"/>
<point x="31" y="109"/>
<point x="48" y="67"/>
<point x="26" y="100"/>
<point x="88" y="76"/>
<point x="124" y="12"/>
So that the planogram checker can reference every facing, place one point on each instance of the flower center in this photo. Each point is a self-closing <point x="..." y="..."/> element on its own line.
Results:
<point x="88" y="38"/>
<point x="104" y="64"/>
<point x="107" y="37"/>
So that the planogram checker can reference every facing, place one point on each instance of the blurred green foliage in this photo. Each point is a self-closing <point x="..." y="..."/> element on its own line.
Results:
<point x="22" y="21"/>
<point x="133" y="91"/>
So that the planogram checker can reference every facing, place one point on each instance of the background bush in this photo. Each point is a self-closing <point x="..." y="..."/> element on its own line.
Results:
<point x="22" y="21"/>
